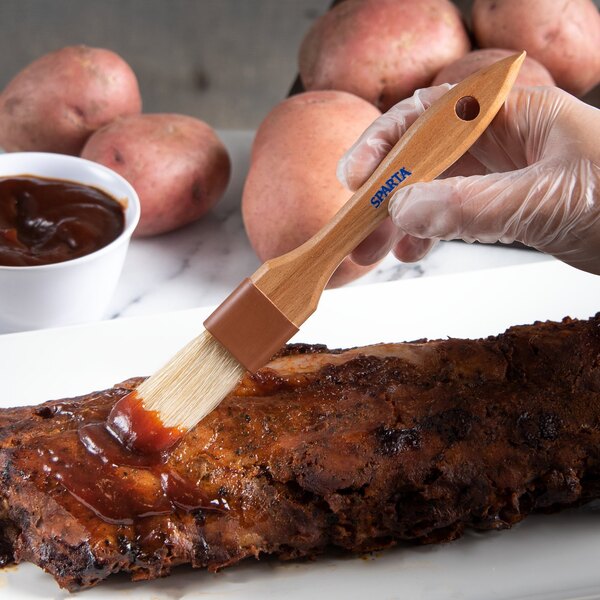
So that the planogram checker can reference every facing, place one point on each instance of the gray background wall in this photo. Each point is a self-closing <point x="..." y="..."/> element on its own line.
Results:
<point x="225" y="61"/>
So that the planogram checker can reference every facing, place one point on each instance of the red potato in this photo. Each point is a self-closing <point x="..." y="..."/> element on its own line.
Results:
<point x="177" y="165"/>
<point x="381" y="50"/>
<point x="531" y="73"/>
<point x="55" y="103"/>
<point x="562" y="36"/>
<point x="291" y="190"/>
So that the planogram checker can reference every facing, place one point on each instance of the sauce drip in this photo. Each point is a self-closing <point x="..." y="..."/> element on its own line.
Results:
<point x="118" y="485"/>
<point x="138" y="429"/>
<point x="45" y="221"/>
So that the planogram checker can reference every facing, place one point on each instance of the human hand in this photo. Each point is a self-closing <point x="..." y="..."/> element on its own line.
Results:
<point x="532" y="177"/>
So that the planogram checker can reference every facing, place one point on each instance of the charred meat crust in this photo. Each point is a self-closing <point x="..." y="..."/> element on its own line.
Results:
<point x="356" y="449"/>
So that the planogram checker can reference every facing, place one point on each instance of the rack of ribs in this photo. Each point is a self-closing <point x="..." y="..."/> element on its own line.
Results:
<point x="356" y="449"/>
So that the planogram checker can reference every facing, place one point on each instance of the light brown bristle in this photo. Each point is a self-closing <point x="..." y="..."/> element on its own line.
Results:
<point x="203" y="372"/>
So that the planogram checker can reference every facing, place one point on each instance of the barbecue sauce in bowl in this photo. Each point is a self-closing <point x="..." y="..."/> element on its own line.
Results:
<point x="45" y="221"/>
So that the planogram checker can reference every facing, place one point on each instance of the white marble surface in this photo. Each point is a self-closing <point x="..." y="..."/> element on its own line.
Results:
<point x="200" y="264"/>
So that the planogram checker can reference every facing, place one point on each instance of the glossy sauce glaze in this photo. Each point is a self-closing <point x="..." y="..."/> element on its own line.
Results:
<point x="46" y="221"/>
<point x="141" y="430"/>
<point x="118" y="485"/>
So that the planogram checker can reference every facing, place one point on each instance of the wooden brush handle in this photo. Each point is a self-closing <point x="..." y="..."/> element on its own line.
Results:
<point x="294" y="282"/>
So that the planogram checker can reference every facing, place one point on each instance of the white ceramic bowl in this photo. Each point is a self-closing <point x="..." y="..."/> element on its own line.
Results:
<point x="74" y="291"/>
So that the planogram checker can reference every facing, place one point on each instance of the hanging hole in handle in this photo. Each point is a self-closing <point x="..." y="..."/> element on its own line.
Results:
<point x="467" y="108"/>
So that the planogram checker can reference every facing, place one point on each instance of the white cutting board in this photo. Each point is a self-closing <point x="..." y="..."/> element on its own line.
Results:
<point x="546" y="558"/>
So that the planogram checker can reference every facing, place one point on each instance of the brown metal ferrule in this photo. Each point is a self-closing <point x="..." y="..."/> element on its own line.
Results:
<point x="250" y="326"/>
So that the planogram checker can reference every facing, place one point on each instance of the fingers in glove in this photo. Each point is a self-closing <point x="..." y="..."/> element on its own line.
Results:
<point x="375" y="246"/>
<point x="536" y="206"/>
<point x="357" y="164"/>
<point x="411" y="249"/>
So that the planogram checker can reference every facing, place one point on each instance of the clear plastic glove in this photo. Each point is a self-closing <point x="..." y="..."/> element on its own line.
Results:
<point x="532" y="177"/>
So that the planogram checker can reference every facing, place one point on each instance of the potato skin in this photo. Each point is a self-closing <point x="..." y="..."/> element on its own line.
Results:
<point x="177" y="165"/>
<point x="562" y="36"/>
<point x="56" y="102"/>
<point x="381" y="50"/>
<point x="531" y="73"/>
<point x="291" y="190"/>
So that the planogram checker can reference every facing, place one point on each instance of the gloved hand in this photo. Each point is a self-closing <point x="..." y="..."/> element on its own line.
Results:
<point x="532" y="177"/>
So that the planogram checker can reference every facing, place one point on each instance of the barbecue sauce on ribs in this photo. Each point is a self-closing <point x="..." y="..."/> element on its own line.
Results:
<point x="110" y="479"/>
<point x="141" y="430"/>
<point x="358" y="450"/>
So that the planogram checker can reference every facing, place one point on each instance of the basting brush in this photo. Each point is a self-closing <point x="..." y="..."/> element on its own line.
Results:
<point x="267" y="309"/>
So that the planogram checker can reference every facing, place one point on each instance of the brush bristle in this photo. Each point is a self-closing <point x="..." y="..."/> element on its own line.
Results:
<point x="192" y="383"/>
